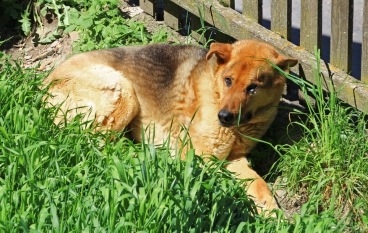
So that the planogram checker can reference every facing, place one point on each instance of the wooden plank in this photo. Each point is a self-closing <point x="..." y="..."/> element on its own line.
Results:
<point x="149" y="6"/>
<point x="341" y="34"/>
<point x="228" y="3"/>
<point x="253" y="10"/>
<point x="281" y="17"/>
<point x="172" y="14"/>
<point x="311" y="24"/>
<point x="240" y="27"/>
<point x="364" y="76"/>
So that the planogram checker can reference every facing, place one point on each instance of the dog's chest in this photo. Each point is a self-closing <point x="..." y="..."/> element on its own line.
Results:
<point x="209" y="138"/>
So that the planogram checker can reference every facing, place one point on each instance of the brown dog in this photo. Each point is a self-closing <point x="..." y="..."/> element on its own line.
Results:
<point x="230" y="89"/>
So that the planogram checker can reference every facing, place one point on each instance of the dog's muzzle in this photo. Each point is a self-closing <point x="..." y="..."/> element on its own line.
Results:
<point x="226" y="118"/>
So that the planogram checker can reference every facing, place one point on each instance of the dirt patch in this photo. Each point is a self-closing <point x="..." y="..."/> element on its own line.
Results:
<point x="32" y="54"/>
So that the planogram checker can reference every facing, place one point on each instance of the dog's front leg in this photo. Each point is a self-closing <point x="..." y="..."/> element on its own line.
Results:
<point x="256" y="186"/>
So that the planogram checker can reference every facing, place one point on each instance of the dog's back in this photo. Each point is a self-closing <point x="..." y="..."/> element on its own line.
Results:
<point x="149" y="83"/>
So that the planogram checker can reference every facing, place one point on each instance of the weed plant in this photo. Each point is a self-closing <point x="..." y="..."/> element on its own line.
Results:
<point x="100" y="26"/>
<point x="330" y="160"/>
<point x="98" y="22"/>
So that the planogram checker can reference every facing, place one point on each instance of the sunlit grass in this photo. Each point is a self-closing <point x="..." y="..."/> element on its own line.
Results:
<point x="330" y="160"/>
<point x="69" y="179"/>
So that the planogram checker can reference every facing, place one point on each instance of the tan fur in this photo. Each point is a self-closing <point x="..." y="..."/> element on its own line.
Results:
<point x="164" y="86"/>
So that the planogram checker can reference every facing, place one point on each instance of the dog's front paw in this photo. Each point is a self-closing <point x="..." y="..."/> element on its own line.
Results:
<point x="266" y="206"/>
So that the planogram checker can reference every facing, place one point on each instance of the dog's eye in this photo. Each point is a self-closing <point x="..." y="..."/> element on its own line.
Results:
<point x="228" y="81"/>
<point x="251" y="89"/>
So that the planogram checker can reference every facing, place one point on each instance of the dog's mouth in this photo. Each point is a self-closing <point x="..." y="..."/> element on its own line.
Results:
<point x="226" y="125"/>
<point x="228" y="119"/>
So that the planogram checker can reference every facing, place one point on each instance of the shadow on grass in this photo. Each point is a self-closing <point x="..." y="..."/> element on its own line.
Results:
<point x="263" y="158"/>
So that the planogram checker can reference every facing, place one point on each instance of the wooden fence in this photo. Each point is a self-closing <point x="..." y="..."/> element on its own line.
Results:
<point x="234" y="25"/>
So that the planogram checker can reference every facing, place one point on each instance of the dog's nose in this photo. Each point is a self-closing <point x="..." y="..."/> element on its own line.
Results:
<point x="225" y="117"/>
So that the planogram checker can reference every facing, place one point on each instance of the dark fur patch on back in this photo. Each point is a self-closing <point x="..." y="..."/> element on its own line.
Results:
<point x="161" y="61"/>
<point x="153" y="68"/>
<point x="157" y="63"/>
<point x="160" y="64"/>
<point x="118" y="54"/>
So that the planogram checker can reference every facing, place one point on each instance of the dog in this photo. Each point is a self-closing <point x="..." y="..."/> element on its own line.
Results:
<point x="220" y="95"/>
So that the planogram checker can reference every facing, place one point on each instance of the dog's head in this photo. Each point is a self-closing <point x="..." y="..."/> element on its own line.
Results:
<point x="248" y="85"/>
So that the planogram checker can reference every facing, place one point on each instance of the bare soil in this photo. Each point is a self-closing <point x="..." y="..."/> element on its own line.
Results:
<point x="46" y="56"/>
<point x="33" y="54"/>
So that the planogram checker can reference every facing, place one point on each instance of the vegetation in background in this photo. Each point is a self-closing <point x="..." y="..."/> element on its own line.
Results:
<point x="22" y="14"/>
<point x="11" y="14"/>
<point x="98" y="22"/>
<point x="101" y="26"/>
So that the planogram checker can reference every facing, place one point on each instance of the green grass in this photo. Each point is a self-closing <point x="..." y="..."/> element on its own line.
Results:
<point x="67" y="179"/>
<point x="70" y="180"/>
<point x="330" y="160"/>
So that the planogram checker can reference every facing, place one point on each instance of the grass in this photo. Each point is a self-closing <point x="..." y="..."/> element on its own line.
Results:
<point x="330" y="160"/>
<point x="68" y="179"/>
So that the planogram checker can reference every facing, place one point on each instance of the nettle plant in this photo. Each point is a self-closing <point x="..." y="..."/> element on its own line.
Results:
<point x="25" y="13"/>
<point x="98" y="22"/>
<point x="101" y="26"/>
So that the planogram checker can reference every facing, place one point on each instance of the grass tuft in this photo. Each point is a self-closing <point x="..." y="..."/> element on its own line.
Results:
<point x="330" y="160"/>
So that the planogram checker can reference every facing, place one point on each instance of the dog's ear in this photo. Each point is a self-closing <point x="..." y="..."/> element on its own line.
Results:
<point x="286" y="62"/>
<point x="221" y="50"/>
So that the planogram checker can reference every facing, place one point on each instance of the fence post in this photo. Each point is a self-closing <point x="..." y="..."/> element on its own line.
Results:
<point x="341" y="34"/>
<point x="149" y="6"/>
<point x="228" y="3"/>
<point x="253" y="10"/>
<point x="220" y="36"/>
<point x="172" y="14"/>
<point x="311" y="24"/>
<point x="281" y="18"/>
<point x="364" y="76"/>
